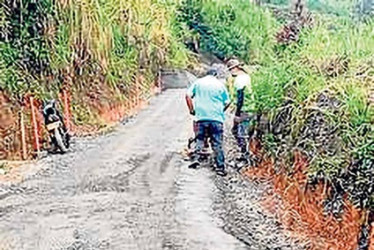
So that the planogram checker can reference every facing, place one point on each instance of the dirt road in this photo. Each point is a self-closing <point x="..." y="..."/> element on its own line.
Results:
<point x="132" y="190"/>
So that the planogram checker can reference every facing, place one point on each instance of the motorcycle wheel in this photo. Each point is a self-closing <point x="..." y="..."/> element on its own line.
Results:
<point x="60" y="142"/>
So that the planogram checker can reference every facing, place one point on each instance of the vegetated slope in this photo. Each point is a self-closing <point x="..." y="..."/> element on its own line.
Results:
<point x="313" y="88"/>
<point x="102" y="52"/>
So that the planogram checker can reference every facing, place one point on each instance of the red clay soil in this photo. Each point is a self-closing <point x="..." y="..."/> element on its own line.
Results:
<point x="36" y="137"/>
<point x="300" y="210"/>
<point x="110" y="113"/>
<point x="10" y="134"/>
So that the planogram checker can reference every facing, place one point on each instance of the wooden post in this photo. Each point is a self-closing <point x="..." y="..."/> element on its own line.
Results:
<point x="126" y="103"/>
<point x="133" y="98"/>
<point x="35" y="126"/>
<point x="23" y="135"/>
<point x="137" y="86"/>
<point x="66" y="109"/>
<point x="159" y="79"/>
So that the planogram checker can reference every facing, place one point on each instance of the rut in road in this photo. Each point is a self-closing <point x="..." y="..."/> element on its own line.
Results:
<point x="131" y="189"/>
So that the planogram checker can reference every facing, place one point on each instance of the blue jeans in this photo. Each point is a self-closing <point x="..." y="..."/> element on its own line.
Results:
<point x="214" y="131"/>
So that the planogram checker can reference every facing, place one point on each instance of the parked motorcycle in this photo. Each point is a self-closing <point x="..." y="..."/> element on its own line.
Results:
<point x="54" y="122"/>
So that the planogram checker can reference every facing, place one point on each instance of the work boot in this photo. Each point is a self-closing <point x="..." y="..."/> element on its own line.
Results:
<point x="244" y="157"/>
<point x="194" y="164"/>
<point x="221" y="172"/>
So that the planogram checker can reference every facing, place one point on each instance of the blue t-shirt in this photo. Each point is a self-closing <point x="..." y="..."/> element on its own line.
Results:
<point x="210" y="97"/>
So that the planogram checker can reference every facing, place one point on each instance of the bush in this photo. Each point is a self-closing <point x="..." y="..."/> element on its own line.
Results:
<point x="231" y="28"/>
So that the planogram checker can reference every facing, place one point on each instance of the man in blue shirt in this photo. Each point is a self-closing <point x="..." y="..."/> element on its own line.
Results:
<point x="207" y="99"/>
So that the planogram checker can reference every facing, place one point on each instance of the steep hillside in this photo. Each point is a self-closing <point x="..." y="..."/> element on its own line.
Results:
<point x="101" y="53"/>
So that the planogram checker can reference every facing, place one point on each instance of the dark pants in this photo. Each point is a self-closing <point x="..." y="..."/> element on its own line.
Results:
<point x="214" y="131"/>
<point x="242" y="130"/>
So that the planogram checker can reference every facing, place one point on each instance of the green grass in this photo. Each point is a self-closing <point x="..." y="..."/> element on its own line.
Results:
<point x="298" y="74"/>
<point x="231" y="28"/>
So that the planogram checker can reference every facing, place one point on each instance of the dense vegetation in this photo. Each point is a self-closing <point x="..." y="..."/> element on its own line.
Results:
<point x="312" y="86"/>
<point x="96" y="48"/>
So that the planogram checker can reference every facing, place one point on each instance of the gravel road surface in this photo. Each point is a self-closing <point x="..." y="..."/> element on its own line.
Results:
<point x="132" y="190"/>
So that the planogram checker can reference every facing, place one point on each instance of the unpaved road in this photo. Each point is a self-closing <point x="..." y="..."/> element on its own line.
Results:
<point x="132" y="190"/>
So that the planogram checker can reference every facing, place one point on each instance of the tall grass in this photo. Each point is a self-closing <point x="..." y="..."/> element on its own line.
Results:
<point x="94" y="46"/>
